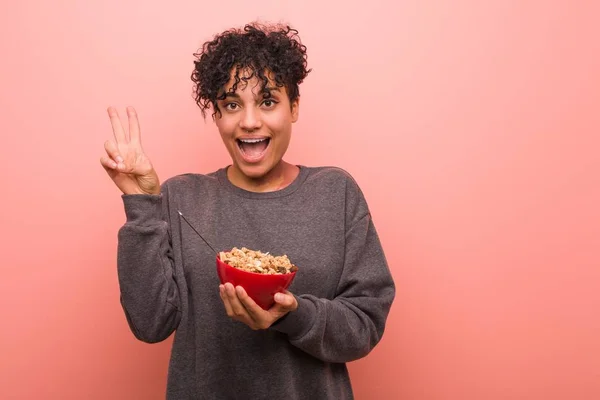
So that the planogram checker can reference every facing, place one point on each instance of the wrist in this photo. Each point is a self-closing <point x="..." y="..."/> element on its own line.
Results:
<point x="138" y="191"/>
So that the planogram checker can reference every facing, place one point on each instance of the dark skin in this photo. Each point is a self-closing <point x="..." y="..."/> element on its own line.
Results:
<point x="240" y="307"/>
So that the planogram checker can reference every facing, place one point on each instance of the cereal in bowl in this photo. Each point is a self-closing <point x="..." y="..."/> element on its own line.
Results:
<point x="258" y="262"/>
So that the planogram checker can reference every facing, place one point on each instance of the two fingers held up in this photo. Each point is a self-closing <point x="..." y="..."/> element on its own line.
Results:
<point x="125" y="161"/>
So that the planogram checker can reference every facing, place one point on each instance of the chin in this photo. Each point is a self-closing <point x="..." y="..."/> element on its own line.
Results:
<point x="254" y="171"/>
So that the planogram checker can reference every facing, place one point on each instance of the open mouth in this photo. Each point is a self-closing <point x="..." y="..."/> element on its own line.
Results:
<point x="253" y="149"/>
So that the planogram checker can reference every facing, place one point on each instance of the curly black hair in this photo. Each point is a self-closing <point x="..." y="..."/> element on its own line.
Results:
<point x="265" y="51"/>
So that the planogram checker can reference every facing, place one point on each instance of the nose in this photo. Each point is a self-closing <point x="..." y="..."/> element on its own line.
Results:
<point x="250" y="119"/>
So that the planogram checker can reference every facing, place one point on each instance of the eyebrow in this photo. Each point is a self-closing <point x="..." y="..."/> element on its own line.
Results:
<point x="268" y="89"/>
<point x="271" y="89"/>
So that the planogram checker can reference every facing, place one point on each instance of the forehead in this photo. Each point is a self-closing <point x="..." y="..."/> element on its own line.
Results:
<point x="248" y="80"/>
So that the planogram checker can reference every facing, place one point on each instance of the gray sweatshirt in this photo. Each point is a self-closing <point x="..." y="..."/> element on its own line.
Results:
<point x="168" y="283"/>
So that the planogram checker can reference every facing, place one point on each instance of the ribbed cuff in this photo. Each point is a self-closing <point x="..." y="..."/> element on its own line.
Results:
<point x="297" y="323"/>
<point x="142" y="208"/>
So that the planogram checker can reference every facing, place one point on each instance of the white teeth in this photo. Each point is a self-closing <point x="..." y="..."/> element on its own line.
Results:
<point x="253" y="140"/>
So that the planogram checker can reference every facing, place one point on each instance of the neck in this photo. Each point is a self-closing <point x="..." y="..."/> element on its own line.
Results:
<point x="276" y="179"/>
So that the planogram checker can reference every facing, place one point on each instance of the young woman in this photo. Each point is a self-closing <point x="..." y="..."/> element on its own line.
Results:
<point x="225" y="346"/>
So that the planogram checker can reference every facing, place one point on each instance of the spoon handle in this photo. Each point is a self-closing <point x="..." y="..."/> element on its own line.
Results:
<point x="188" y="222"/>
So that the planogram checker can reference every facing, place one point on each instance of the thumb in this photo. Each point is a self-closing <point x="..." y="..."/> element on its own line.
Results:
<point x="285" y="300"/>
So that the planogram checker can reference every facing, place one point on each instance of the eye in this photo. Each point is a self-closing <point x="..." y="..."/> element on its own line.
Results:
<point x="269" y="103"/>
<point x="231" y="106"/>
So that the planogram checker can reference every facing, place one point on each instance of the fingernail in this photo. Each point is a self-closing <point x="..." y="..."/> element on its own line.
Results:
<point x="119" y="159"/>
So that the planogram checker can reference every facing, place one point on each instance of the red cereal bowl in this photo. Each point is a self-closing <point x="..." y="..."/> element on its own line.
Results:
<point x="260" y="287"/>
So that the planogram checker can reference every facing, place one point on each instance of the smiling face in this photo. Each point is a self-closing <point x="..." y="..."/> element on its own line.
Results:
<point x="255" y="124"/>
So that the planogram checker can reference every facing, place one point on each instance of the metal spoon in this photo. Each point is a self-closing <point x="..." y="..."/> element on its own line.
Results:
<point x="198" y="233"/>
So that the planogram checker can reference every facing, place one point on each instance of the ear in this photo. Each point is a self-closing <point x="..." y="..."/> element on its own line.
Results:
<point x="295" y="109"/>
<point x="216" y="119"/>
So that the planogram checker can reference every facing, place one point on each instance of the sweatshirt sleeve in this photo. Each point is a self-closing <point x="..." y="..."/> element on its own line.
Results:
<point x="349" y="326"/>
<point x="149" y="292"/>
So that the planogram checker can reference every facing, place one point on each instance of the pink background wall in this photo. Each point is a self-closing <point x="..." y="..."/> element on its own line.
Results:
<point x="472" y="127"/>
